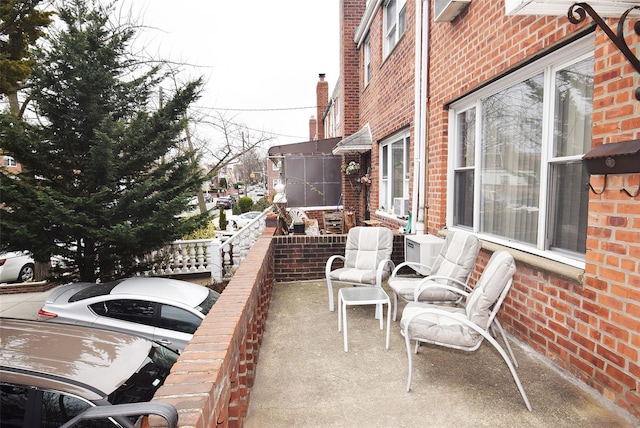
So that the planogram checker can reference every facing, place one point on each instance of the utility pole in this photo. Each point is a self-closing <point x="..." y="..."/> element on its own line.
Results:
<point x="244" y="167"/>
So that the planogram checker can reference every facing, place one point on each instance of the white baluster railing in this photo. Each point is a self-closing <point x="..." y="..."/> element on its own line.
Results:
<point x="220" y="256"/>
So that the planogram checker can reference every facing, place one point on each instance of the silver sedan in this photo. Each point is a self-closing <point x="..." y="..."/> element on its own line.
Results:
<point x="16" y="266"/>
<point x="167" y="311"/>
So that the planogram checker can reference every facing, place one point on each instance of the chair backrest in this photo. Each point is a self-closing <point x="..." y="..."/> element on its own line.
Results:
<point x="297" y="215"/>
<point x="484" y="301"/>
<point x="457" y="257"/>
<point x="367" y="247"/>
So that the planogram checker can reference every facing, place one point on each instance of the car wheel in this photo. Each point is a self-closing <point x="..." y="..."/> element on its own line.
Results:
<point x="26" y="273"/>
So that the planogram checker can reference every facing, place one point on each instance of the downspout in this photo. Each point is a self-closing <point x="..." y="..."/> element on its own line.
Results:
<point x="424" y="176"/>
<point x="420" y="101"/>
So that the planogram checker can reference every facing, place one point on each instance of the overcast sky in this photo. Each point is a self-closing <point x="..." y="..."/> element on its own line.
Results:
<point x="254" y="55"/>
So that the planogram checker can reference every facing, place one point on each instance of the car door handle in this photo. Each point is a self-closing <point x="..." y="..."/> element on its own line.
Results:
<point x="164" y="342"/>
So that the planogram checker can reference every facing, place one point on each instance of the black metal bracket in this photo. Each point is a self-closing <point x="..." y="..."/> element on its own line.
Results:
<point x="588" y="186"/>
<point x="632" y="195"/>
<point x="578" y="13"/>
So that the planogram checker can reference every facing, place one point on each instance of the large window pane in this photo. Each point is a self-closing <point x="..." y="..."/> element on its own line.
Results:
<point x="573" y="107"/>
<point x="510" y="171"/>
<point x="466" y="138"/>
<point x="570" y="202"/>
<point x="568" y="197"/>
<point x="397" y="180"/>
<point x="463" y="197"/>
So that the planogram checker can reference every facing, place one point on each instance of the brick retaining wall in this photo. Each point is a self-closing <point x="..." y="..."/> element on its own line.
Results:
<point x="209" y="385"/>
<point x="302" y="257"/>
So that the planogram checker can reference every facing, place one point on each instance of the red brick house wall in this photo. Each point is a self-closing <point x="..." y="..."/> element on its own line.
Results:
<point x="386" y="102"/>
<point x="590" y="327"/>
<point x="350" y="13"/>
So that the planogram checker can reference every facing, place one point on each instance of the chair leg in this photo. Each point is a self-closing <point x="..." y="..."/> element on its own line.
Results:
<point x="330" y="287"/>
<point x="504" y="339"/>
<point x="407" y="341"/>
<point x="395" y="305"/>
<point x="506" y="359"/>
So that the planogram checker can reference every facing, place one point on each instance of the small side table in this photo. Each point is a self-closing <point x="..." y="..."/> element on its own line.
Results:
<point x="362" y="296"/>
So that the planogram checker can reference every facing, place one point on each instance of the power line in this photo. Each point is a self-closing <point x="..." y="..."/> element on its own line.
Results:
<point x="259" y="109"/>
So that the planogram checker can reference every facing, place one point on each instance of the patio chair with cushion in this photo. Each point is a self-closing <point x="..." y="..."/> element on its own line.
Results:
<point x="464" y="326"/>
<point x="453" y="266"/>
<point x="366" y="260"/>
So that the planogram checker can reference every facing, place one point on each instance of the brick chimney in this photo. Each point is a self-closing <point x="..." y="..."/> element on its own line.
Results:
<point x="351" y="12"/>
<point x="322" y="101"/>
<point x="313" y="128"/>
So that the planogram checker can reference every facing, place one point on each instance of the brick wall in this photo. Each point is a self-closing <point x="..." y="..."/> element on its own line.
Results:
<point x="209" y="385"/>
<point x="387" y="101"/>
<point x="350" y="13"/>
<point x="27" y="287"/>
<point x="608" y="329"/>
<point x="301" y="257"/>
<point x="590" y="329"/>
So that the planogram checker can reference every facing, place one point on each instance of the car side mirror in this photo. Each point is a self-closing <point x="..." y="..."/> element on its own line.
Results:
<point x="165" y="410"/>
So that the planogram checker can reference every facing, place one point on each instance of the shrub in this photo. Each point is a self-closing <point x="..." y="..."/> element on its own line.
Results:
<point x="204" y="233"/>
<point x="245" y="203"/>
<point x="261" y="204"/>
<point x="222" y="220"/>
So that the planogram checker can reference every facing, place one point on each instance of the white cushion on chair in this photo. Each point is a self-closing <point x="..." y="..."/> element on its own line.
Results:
<point x="438" y="328"/>
<point x="456" y="260"/>
<point x="354" y="275"/>
<point x="366" y="247"/>
<point x="499" y="271"/>
<point x="405" y="287"/>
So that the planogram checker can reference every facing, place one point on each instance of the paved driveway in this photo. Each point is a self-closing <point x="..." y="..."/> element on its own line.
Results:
<point x="22" y="305"/>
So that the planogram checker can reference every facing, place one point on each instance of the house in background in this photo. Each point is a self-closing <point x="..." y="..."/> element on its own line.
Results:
<point x="476" y="115"/>
<point x="309" y="170"/>
<point x="10" y="164"/>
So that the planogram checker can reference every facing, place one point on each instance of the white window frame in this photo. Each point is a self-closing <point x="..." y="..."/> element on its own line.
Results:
<point x="386" y="183"/>
<point x="367" y="60"/>
<point x="563" y="57"/>
<point x="395" y="20"/>
<point x="9" y="161"/>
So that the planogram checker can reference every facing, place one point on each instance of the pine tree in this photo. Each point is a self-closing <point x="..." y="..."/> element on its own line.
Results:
<point x="104" y="175"/>
<point x="21" y="24"/>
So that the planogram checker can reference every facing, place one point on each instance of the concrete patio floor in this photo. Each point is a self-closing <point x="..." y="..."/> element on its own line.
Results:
<point x="305" y="379"/>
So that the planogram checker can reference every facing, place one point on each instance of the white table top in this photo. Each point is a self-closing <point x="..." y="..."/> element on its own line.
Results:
<point x="363" y="295"/>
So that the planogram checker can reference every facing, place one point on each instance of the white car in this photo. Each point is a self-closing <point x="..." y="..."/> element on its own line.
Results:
<point x="16" y="266"/>
<point x="167" y="311"/>
<point x="239" y="221"/>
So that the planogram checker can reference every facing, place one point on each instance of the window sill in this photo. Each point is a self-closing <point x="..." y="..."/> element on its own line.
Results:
<point x="554" y="267"/>
<point x="391" y="217"/>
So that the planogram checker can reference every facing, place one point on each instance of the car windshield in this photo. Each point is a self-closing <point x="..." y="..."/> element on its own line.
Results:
<point x="97" y="290"/>
<point x="208" y="302"/>
<point x="143" y="384"/>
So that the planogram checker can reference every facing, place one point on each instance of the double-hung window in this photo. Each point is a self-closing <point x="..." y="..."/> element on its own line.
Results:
<point x="367" y="61"/>
<point x="516" y="175"/>
<point x="394" y="172"/>
<point x="395" y="20"/>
